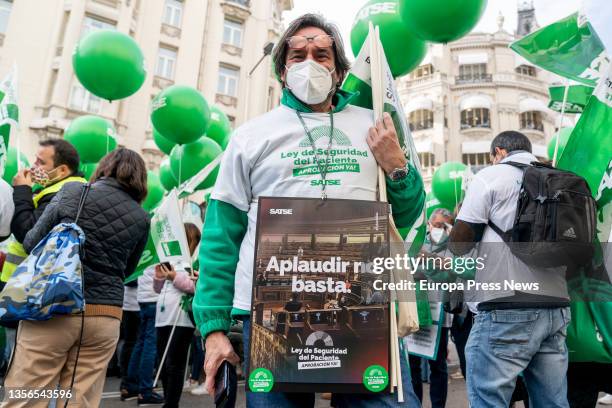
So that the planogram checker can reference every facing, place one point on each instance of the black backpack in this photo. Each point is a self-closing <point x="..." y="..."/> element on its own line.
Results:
<point x="555" y="218"/>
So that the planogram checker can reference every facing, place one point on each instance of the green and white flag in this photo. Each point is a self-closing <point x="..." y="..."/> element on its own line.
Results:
<point x="148" y="258"/>
<point x="359" y="79"/>
<point x="9" y="113"/>
<point x="168" y="232"/>
<point x="588" y="152"/>
<point x="569" y="48"/>
<point x="577" y="98"/>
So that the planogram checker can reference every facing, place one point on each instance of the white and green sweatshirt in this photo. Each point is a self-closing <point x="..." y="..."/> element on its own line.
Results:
<point x="272" y="156"/>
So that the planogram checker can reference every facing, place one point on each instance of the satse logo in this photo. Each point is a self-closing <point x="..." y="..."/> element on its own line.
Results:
<point x="281" y="211"/>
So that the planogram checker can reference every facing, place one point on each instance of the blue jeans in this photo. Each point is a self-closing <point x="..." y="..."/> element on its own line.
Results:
<point x="142" y="362"/>
<point x="198" y="358"/>
<point x="295" y="400"/>
<point x="504" y="343"/>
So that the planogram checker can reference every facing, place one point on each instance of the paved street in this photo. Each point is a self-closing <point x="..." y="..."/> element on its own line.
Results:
<point x="456" y="397"/>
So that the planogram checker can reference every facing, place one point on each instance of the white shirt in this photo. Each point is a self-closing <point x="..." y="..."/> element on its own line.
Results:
<point x="169" y="306"/>
<point x="493" y="195"/>
<point x="130" y="301"/>
<point x="7" y="208"/>
<point x="145" y="293"/>
<point x="270" y="156"/>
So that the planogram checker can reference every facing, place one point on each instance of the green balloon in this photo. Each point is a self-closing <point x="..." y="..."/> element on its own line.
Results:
<point x="92" y="136"/>
<point x="88" y="169"/>
<point x="431" y="204"/>
<point x="219" y="128"/>
<point x="166" y="177"/>
<point x="155" y="191"/>
<point x="109" y="64"/>
<point x="10" y="166"/>
<point x="565" y="135"/>
<point x="180" y="114"/>
<point x="403" y="49"/>
<point x="189" y="159"/>
<point x="442" y="21"/>
<point x="162" y="143"/>
<point x="447" y="182"/>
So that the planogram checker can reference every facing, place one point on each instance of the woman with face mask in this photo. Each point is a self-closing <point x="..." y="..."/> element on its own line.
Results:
<point x="314" y="145"/>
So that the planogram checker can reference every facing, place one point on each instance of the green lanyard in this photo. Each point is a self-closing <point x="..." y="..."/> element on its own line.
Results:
<point x="322" y="167"/>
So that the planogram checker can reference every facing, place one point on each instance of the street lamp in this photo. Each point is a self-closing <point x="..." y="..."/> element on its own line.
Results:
<point x="267" y="50"/>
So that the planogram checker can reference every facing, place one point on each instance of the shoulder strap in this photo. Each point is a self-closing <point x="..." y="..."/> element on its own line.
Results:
<point x="84" y="193"/>
<point x="518" y="165"/>
<point x="503" y="235"/>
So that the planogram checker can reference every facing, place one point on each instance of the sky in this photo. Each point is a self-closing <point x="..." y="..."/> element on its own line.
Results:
<point x="342" y="12"/>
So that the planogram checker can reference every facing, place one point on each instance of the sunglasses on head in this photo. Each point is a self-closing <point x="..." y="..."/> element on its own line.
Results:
<point x="298" y="42"/>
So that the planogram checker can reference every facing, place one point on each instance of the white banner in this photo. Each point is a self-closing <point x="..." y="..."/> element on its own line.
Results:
<point x="168" y="232"/>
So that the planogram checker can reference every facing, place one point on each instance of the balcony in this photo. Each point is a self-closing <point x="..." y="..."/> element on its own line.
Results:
<point x="226" y="100"/>
<point x="170" y="30"/>
<point x="232" y="50"/>
<point x="415" y="127"/>
<point x="484" y="125"/>
<point x="409" y="83"/>
<point x="532" y="126"/>
<point x="473" y="79"/>
<point x="237" y="9"/>
<point x="161" y="82"/>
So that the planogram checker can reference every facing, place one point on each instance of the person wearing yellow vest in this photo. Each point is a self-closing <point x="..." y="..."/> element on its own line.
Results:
<point x="57" y="163"/>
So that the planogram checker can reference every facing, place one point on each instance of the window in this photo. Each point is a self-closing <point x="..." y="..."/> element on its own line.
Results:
<point x="427" y="159"/>
<point x="476" y="159"/>
<point x="173" y="12"/>
<point x="473" y="73"/>
<point x="421" y="119"/>
<point x="244" y="3"/>
<point x="475" y="118"/>
<point x="532" y="121"/>
<point x="93" y="24"/>
<point x="423" y="71"/>
<point x="232" y="33"/>
<point x="527" y="70"/>
<point x="5" y="13"/>
<point x="82" y="100"/>
<point x="228" y="81"/>
<point x="166" y="60"/>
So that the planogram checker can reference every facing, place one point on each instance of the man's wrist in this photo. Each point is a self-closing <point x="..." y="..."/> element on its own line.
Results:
<point x="399" y="173"/>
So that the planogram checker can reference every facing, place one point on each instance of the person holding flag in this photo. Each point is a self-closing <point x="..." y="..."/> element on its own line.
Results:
<point x="315" y="116"/>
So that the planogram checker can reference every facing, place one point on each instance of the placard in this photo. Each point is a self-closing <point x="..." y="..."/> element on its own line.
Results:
<point x="318" y="323"/>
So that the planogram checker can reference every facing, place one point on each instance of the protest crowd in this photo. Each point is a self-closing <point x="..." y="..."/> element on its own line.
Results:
<point x="99" y="281"/>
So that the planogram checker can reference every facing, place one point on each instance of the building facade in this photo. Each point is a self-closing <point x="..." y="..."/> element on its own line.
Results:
<point x="466" y="92"/>
<point x="211" y="45"/>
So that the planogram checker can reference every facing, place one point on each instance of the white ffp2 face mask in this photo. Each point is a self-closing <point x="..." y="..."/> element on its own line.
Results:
<point x="437" y="234"/>
<point x="309" y="81"/>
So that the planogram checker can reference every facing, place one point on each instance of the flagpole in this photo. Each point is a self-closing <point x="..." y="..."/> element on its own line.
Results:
<point x="567" y="85"/>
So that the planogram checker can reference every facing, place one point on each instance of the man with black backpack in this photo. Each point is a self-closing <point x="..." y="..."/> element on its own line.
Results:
<point x="520" y="213"/>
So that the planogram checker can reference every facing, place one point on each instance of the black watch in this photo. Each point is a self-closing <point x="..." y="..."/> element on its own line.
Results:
<point x="399" y="173"/>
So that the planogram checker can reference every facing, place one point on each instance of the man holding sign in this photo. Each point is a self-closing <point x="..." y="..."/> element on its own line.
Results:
<point x="315" y="145"/>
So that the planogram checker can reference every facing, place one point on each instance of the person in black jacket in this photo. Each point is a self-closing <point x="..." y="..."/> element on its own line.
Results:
<point x="57" y="163"/>
<point x="116" y="229"/>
